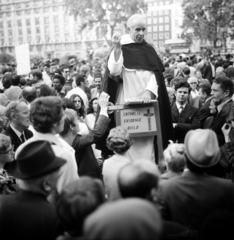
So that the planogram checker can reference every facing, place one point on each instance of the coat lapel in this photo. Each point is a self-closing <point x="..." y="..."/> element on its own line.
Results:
<point x="175" y="113"/>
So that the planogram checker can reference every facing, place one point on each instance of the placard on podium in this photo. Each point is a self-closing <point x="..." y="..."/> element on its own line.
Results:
<point x="140" y="120"/>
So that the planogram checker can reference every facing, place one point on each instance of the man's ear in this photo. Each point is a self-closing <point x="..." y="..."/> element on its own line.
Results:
<point x="227" y="93"/>
<point x="46" y="186"/>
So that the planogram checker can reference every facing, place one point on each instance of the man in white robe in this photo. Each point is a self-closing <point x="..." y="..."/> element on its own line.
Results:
<point x="136" y="83"/>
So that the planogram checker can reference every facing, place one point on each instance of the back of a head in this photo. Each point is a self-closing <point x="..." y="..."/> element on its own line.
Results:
<point x="29" y="93"/>
<point x="45" y="91"/>
<point x="45" y="112"/>
<point x="37" y="74"/>
<point x="138" y="179"/>
<point x="6" y="80"/>
<point x="77" y="201"/>
<point x="79" y="79"/>
<point x="174" y="157"/>
<point x="123" y="220"/>
<point x="225" y="83"/>
<point x="15" y="80"/>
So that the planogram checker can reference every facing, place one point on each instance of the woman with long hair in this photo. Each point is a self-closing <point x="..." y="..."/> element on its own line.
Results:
<point x="79" y="105"/>
<point x="91" y="113"/>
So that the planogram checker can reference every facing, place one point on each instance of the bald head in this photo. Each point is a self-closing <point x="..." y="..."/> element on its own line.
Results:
<point x="136" y="26"/>
<point x="29" y="93"/>
<point x="138" y="179"/>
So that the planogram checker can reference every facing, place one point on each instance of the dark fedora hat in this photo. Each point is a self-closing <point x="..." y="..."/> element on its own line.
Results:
<point x="35" y="160"/>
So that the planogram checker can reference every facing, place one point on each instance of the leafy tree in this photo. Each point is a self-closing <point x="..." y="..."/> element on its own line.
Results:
<point x="209" y="19"/>
<point x="104" y="14"/>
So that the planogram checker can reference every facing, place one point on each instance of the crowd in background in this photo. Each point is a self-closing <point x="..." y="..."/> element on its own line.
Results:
<point x="55" y="182"/>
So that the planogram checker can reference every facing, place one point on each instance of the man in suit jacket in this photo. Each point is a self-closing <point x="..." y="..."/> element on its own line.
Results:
<point x="18" y="114"/>
<point x="86" y="161"/>
<point x="184" y="116"/>
<point x="222" y="91"/>
<point x="29" y="211"/>
<point x="13" y="93"/>
<point x="95" y="92"/>
<point x="188" y="199"/>
<point x="205" y="97"/>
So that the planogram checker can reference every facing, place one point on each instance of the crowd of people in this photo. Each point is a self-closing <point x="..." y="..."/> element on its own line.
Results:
<point x="57" y="181"/>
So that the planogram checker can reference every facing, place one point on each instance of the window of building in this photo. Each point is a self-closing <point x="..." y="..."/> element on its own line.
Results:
<point x="2" y="41"/>
<point x="155" y="20"/>
<point x="29" y="39"/>
<point x="27" y="12"/>
<point x="166" y="27"/>
<point x="37" y="21"/>
<point x="155" y="36"/>
<point x="18" y="13"/>
<point x="38" y="39"/>
<point x="149" y="29"/>
<point x="166" y="19"/>
<point x="155" y="13"/>
<point x="28" y="31"/>
<point x="160" y="12"/>
<point x="46" y="20"/>
<point x="30" y="48"/>
<point x="18" y="6"/>
<point x="47" y="30"/>
<point x="8" y="14"/>
<point x="9" y="24"/>
<point x="160" y="28"/>
<point x="160" y="20"/>
<point x="19" y="23"/>
<point x="161" y="43"/>
<point x="55" y="9"/>
<point x="27" y="22"/>
<point x="66" y="28"/>
<point x="149" y="21"/>
<point x="166" y="11"/>
<point x="47" y="38"/>
<point x="36" y="10"/>
<point x="166" y="35"/>
<point x="155" y="4"/>
<point x="56" y="28"/>
<point x="160" y="35"/>
<point x="55" y="19"/>
<point x="27" y="4"/>
<point x="8" y="7"/>
<point x="1" y="24"/>
<point x="176" y="23"/>
<point x="2" y="33"/>
<point x="10" y="41"/>
<point x="20" y="31"/>
<point x="160" y="3"/>
<point x="46" y="10"/>
<point x="66" y="37"/>
<point x="155" y="28"/>
<point x="20" y="40"/>
<point x="167" y="3"/>
<point x="56" y="37"/>
<point x="66" y="18"/>
<point x="38" y="30"/>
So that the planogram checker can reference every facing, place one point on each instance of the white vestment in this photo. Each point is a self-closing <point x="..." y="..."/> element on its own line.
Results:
<point x="135" y="82"/>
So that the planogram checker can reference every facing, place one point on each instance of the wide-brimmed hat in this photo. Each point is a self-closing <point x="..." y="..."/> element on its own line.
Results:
<point x="202" y="148"/>
<point x="36" y="159"/>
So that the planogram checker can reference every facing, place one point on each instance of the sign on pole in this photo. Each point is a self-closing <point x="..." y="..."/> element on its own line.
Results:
<point x="22" y="59"/>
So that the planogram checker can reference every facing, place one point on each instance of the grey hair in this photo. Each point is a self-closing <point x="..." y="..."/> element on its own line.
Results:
<point x="133" y="17"/>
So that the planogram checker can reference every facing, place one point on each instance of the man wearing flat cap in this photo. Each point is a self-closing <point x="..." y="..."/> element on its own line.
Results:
<point x="191" y="197"/>
<point x="28" y="214"/>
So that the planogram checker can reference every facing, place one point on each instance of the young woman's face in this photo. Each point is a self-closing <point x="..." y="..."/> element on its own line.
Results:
<point x="95" y="105"/>
<point x="77" y="102"/>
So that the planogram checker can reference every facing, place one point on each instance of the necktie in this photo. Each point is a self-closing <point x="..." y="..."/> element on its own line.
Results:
<point x="181" y="110"/>
<point x="22" y="138"/>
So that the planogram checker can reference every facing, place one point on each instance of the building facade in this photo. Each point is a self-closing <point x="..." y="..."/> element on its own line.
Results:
<point x="45" y="26"/>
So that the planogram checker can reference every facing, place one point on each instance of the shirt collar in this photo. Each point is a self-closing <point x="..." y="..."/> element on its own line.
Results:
<point x="49" y="137"/>
<point x="220" y="106"/>
<point x="178" y="105"/>
<point x="18" y="133"/>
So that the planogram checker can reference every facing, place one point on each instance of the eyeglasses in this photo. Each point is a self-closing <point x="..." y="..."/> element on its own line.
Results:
<point x="66" y="71"/>
<point x="193" y="83"/>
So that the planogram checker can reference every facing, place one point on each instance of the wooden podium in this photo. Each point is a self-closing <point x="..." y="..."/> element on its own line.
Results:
<point x="140" y="119"/>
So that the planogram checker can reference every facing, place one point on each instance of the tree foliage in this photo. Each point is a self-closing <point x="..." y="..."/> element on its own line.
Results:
<point x="104" y="13"/>
<point x="209" y="19"/>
